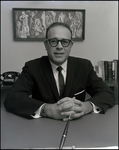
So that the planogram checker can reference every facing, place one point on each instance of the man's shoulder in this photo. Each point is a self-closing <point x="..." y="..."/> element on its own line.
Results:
<point x="37" y="60"/>
<point x="80" y="64"/>
<point x="78" y="59"/>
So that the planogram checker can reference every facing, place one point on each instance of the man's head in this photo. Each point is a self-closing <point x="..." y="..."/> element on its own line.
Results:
<point x="58" y="51"/>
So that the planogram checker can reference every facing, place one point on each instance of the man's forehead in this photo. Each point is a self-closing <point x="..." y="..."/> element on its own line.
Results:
<point x="58" y="26"/>
<point x="57" y="29"/>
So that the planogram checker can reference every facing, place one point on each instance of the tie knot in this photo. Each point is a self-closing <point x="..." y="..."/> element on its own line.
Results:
<point x="59" y="68"/>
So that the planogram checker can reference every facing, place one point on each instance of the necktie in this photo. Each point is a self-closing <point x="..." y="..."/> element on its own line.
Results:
<point x="61" y="81"/>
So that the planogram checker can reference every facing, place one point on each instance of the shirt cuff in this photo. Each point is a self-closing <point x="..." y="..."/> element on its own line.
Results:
<point x="96" y="109"/>
<point x="37" y="113"/>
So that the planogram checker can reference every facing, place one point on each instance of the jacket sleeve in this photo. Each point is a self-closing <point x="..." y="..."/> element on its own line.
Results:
<point x="101" y="93"/>
<point x="19" y="99"/>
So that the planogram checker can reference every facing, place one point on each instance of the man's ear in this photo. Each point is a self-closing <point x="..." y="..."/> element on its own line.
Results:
<point x="72" y="42"/>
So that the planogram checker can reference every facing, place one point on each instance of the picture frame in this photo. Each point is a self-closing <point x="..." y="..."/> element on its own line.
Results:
<point x="30" y="24"/>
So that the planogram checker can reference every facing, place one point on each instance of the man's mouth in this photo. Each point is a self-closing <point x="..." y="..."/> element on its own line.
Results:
<point x="59" y="54"/>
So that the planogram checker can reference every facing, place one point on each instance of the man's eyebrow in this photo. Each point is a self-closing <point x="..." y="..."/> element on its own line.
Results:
<point x="54" y="38"/>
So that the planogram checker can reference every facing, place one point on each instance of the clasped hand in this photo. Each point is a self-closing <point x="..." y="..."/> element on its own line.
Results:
<point x="66" y="107"/>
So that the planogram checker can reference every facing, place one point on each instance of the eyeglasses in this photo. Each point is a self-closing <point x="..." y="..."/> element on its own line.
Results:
<point x="64" y="42"/>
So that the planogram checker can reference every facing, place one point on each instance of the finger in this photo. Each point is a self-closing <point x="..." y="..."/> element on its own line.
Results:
<point x="77" y="102"/>
<point x="69" y="118"/>
<point x="66" y="106"/>
<point x="68" y="113"/>
<point x="63" y="100"/>
<point x="66" y="119"/>
<point x="77" y="108"/>
<point x="70" y="105"/>
<point x="77" y="115"/>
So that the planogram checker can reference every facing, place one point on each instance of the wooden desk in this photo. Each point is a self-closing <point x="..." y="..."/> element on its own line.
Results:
<point x="92" y="130"/>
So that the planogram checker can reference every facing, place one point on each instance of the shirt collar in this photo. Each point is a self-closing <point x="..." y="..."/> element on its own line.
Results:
<point x="54" y="67"/>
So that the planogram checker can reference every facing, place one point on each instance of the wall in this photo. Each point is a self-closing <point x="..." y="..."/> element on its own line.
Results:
<point x="101" y="32"/>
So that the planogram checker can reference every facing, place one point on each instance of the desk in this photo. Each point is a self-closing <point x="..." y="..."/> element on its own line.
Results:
<point x="92" y="130"/>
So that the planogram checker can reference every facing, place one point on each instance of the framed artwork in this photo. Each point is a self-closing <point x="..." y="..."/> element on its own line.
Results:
<point x="30" y="24"/>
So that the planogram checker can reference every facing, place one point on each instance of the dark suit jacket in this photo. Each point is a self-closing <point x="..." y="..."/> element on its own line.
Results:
<point x="36" y="85"/>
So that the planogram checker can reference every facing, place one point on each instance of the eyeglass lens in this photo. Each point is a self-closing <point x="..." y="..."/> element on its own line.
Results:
<point x="64" y="42"/>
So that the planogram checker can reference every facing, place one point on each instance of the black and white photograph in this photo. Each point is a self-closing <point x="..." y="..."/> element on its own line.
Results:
<point x="59" y="75"/>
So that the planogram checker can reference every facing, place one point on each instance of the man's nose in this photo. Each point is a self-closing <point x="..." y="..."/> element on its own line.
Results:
<point x="59" y="45"/>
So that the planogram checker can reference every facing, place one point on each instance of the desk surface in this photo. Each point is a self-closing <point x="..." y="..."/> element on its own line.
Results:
<point x="92" y="130"/>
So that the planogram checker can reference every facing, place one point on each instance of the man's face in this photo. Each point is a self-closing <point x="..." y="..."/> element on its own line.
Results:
<point x="59" y="54"/>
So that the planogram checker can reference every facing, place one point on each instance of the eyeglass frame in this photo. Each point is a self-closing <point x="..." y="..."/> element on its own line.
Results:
<point x="59" y="41"/>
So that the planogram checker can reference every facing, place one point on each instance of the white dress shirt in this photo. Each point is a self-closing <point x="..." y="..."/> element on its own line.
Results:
<point x="55" y="72"/>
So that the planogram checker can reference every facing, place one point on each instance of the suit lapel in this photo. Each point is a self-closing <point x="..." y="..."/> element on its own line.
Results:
<point x="70" y="77"/>
<point x="51" y="81"/>
<point x="50" y="77"/>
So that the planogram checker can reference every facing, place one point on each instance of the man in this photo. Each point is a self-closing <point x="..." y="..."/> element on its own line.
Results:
<point x="39" y="90"/>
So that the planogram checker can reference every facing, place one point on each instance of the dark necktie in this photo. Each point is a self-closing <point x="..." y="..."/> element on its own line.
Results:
<point x="61" y="81"/>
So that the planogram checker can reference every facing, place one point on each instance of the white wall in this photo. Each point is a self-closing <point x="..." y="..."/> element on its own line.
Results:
<point x="101" y="32"/>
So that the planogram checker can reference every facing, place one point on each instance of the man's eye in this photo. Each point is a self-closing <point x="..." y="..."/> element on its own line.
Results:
<point x="65" y="41"/>
<point x="53" y="41"/>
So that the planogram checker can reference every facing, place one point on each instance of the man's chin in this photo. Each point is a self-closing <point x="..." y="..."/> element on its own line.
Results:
<point x="59" y="61"/>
